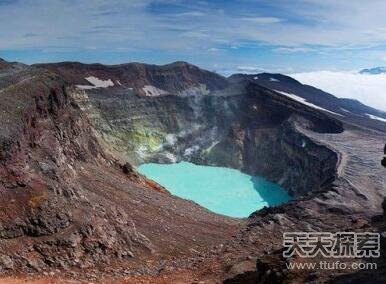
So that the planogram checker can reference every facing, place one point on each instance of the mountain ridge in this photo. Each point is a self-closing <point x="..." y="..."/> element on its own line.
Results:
<point x="159" y="78"/>
<point x="178" y="64"/>
<point x="350" y="110"/>
<point x="373" y="71"/>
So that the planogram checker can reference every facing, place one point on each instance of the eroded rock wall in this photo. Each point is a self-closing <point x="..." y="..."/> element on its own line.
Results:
<point x="67" y="204"/>
<point x="252" y="130"/>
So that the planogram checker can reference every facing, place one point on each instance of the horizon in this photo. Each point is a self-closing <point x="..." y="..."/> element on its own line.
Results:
<point x="246" y="71"/>
<point x="226" y="74"/>
<point x="342" y="84"/>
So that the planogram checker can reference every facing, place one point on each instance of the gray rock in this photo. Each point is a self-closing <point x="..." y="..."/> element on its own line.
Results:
<point x="6" y="263"/>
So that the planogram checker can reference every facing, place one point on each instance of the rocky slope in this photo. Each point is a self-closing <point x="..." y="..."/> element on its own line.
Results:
<point x="66" y="204"/>
<point x="377" y="276"/>
<point x="75" y="206"/>
<point x="384" y="158"/>
<point x="350" y="204"/>
<point x="348" y="110"/>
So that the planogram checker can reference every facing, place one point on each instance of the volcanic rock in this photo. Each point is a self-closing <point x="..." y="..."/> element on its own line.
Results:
<point x="71" y="199"/>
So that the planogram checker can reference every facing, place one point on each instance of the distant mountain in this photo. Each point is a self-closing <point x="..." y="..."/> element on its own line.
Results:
<point x="373" y="71"/>
<point x="348" y="110"/>
<point x="6" y="66"/>
<point x="3" y="62"/>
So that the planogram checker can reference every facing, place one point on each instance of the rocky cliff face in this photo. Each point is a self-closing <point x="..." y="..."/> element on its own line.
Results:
<point x="243" y="126"/>
<point x="65" y="203"/>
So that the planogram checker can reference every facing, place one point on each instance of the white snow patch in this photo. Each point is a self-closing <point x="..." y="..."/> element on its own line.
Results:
<point x="255" y="78"/>
<point x="152" y="91"/>
<point x="376" y="117"/>
<point x="345" y="110"/>
<point x="303" y="101"/>
<point x="85" y="87"/>
<point x="119" y="83"/>
<point x="273" y="79"/>
<point x="97" y="83"/>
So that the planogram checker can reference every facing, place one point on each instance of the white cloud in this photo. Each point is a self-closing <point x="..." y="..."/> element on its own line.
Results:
<point x="293" y="49"/>
<point x="191" y="14"/>
<point x="263" y="20"/>
<point x="249" y="69"/>
<point x="368" y="89"/>
<point x="195" y="34"/>
<point x="103" y="24"/>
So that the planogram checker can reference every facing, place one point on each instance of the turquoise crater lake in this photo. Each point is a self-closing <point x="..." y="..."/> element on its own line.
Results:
<point x="222" y="190"/>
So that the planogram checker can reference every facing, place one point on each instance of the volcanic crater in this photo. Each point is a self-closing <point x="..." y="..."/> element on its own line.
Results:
<point x="72" y="203"/>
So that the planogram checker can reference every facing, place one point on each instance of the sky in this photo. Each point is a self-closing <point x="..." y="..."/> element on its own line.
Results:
<point x="245" y="36"/>
<point x="224" y="36"/>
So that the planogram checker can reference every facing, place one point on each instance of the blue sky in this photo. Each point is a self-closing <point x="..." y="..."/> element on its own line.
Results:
<point x="224" y="36"/>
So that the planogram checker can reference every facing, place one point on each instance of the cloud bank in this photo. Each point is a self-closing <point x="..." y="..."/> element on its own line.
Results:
<point x="368" y="89"/>
<point x="334" y="24"/>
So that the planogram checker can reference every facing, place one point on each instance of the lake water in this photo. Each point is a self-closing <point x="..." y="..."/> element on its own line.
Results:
<point x="222" y="190"/>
